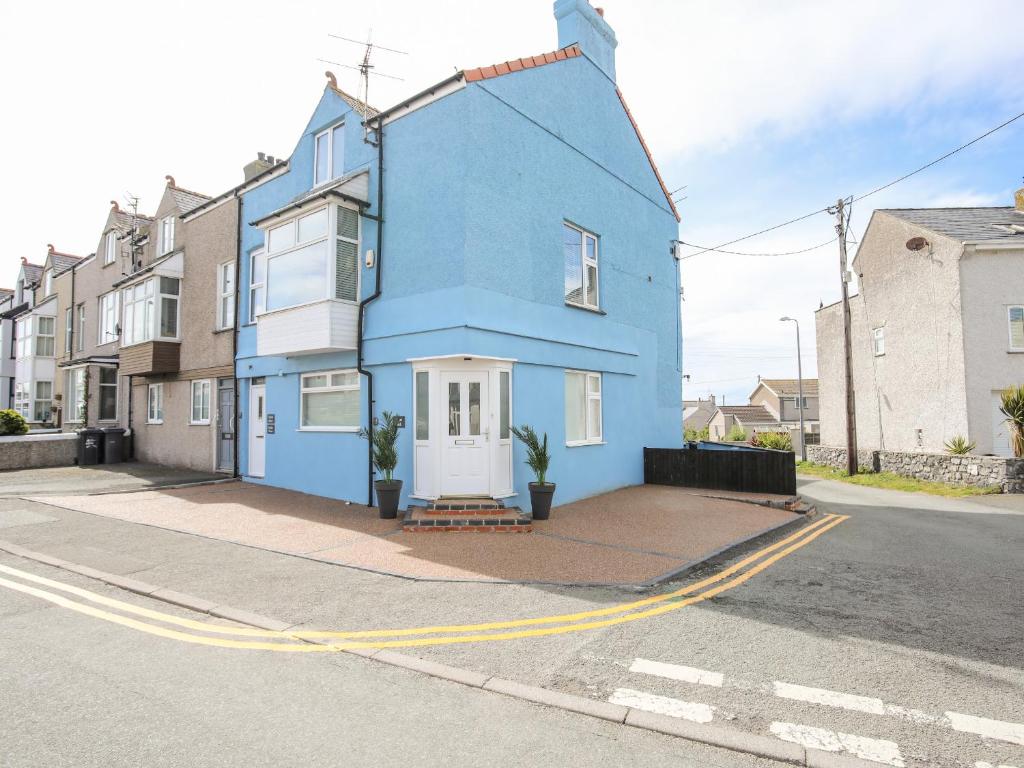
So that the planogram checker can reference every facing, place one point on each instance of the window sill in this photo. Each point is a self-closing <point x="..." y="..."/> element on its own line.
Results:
<point x="199" y="423"/>
<point x="351" y="430"/>
<point x="1015" y="351"/>
<point x="579" y="443"/>
<point x="595" y="310"/>
<point x="154" y="423"/>
<point x="223" y="330"/>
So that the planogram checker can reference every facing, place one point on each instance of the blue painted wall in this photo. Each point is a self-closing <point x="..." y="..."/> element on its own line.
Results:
<point x="476" y="188"/>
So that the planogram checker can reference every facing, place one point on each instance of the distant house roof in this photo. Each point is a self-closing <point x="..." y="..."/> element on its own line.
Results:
<point x="791" y="387"/>
<point x="6" y="293"/>
<point x="187" y="200"/>
<point x="968" y="225"/>
<point x="33" y="272"/>
<point x="749" y="414"/>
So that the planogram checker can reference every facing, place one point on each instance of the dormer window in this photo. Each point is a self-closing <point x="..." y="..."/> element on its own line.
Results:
<point x="329" y="154"/>
<point x="110" y="249"/>
<point x="166" y="236"/>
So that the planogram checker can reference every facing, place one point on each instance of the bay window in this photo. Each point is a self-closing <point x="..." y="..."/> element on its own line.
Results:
<point x="151" y="310"/>
<point x="107" y="324"/>
<point x="329" y="149"/>
<point x="44" y="336"/>
<point x="330" y="401"/>
<point x="108" y="394"/>
<point x="201" y="393"/>
<point x="22" y="399"/>
<point x="226" y="295"/>
<point x="581" y="275"/>
<point x="583" y="419"/>
<point x="44" y="401"/>
<point x="75" y="396"/>
<point x="23" y="337"/>
<point x="311" y="258"/>
<point x="155" y="404"/>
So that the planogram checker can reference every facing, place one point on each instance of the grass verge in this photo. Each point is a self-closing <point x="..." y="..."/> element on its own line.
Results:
<point x="895" y="482"/>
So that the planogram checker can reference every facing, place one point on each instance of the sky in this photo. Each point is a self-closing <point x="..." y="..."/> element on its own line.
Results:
<point x="764" y="111"/>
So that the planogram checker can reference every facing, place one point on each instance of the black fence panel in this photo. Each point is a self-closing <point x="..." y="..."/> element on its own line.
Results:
<point x="755" y="470"/>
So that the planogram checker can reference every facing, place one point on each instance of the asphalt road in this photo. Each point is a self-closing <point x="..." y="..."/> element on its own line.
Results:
<point x="896" y="635"/>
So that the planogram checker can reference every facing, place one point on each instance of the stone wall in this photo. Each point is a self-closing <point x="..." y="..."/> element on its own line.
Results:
<point x="1008" y="474"/>
<point x="34" y="451"/>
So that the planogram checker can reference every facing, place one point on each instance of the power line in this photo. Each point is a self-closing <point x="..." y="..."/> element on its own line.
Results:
<point x="742" y="253"/>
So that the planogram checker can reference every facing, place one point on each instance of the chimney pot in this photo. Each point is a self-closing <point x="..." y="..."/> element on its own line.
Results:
<point x="270" y="159"/>
<point x="600" y="12"/>
<point x="261" y="155"/>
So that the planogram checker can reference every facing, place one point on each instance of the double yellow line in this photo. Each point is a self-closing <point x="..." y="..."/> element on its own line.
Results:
<point x="298" y="640"/>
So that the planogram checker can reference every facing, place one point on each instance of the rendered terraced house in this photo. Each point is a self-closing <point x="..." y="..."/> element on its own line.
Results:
<point x="516" y="265"/>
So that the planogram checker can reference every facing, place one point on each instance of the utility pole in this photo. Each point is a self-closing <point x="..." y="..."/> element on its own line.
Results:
<point x="851" y="409"/>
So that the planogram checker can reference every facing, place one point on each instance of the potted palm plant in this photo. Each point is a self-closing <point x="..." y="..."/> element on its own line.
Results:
<point x="1012" y="407"/>
<point x="537" y="459"/>
<point x="384" y="450"/>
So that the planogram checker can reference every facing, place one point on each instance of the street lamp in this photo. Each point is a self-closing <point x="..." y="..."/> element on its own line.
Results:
<point x="800" y="385"/>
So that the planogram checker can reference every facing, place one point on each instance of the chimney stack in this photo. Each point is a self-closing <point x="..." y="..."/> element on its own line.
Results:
<point x="257" y="166"/>
<point x="579" y="22"/>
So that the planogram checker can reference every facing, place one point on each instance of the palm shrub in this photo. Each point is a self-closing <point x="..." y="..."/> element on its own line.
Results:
<point x="1012" y="406"/>
<point x="958" y="445"/>
<point x="537" y="456"/>
<point x="736" y="434"/>
<point x="383" y="444"/>
<point x="12" y="423"/>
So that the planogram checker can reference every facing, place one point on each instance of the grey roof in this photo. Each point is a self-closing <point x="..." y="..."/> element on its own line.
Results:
<point x="791" y="386"/>
<point x="749" y="414"/>
<point x="186" y="199"/>
<point x="33" y="273"/>
<point x="968" y="225"/>
<point x="358" y="105"/>
<point x="62" y="262"/>
<point x="6" y="293"/>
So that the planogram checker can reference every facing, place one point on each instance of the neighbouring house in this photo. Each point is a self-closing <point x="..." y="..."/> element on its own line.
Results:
<point x="750" y="418"/>
<point x="781" y="397"/>
<point x="697" y="414"/>
<point x="514" y="265"/>
<point x="179" y="366"/>
<point x="7" y="360"/>
<point x="937" y="328"/>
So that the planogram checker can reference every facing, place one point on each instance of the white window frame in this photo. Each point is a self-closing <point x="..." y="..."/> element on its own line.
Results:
<point x="110" y="247"/>
<point x="75" y="402"/>
<point x="1009" y="325"/>
<point x="23" y="346"/>
<point x="207" y="385"/>
<point x="154" y="322"/>
<point x="99" y="394"/>
<point x="329" y="132"/>
<point x="69" y="329"/>
<point x="80" y="338"/>
<point x="155" y="415"/>
<point x="225" y="296"/>
<point x="47" y="282"/>
<point x="39" y="336"/>
<point x="878" y="341"/>
<point x="109" y="306"/>
<point x="254" y="310"/>
<point x="36" y="400"/>
<point x="166" y="236"/>
<point x="585" y="262"/>
<point x="589" y="394"/>
<point x="304" y="390"/>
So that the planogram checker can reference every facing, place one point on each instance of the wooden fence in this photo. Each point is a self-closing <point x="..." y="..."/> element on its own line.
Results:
<point x="753" y="469"/>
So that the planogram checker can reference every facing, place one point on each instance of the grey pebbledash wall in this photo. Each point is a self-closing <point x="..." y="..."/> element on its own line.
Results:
<point x="34" y="451"/>
<point x="1008" y="474"/>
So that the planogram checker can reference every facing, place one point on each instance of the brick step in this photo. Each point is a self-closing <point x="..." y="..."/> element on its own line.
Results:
<point x="495" y="520"/>
<point x="462" y="505"/>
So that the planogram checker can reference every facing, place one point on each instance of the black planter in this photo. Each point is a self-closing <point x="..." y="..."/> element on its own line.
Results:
<point x="540" y="500"/>
<point x="387" y="497"/>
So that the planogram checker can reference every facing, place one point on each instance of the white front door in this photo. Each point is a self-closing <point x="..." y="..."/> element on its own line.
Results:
<point x="465" y="460"/>
<point x="257" y="429"/>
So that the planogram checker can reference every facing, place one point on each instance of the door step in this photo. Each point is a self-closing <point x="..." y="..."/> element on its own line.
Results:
<point x="494" y="519"/>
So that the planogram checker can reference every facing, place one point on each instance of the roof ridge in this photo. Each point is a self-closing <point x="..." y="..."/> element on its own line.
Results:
<point x="517" y="65"/>
<point x="955" y="208"/>
<point x="190" y="191"/>
<point x="353" y="101"/>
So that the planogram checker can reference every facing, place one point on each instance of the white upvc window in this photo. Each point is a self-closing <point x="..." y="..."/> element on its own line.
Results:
<point x="75" y="395"/>
<point x="329" y="401"/>
<point x="22" y="401"/>
<point x="583" y="418"/>
<point x="45" y="330"/>
<point x="226" y="295"/>
<point x="155" y="404"/>
<point x="69" y="329"/>
<point x="329" y="154"/>
<point x="108" y="315"/>
<point x="581" y="273"/>
<point x="110" y="247"/>
<point x="151" y="310"/>
<point x="257" y="283"/>
<point x="43" y="401"/>
<point x="23" y="337"/>
<point x="48" y="282"/>
<point x="1015" y="321"/>
<point x="80" y="338"/>
<point x="313" y="257"/>
<point x="165" y="238"/>
<point x="878" y="341"/>
<point x="108" y="394"/>
<point x="201" y="393"/>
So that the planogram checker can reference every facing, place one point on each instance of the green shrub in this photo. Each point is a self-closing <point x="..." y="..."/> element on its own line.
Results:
<point x="696" y="435"/>
<point x="959" y="445"/>
<point x="12" y="423"/>
<point x="736" y="434"/>
<point x="383" y="444"/>
<point x="777" y="441"/>
<point x="537" y="456"/>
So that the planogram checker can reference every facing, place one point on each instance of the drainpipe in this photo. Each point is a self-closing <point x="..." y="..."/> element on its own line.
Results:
<point x="365" y="302"/>
<point x="71" y="338"/>
<point x="234" y="338"/>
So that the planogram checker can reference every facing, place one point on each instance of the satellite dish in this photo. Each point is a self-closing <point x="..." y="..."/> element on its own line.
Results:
<point x="916" y="243"/>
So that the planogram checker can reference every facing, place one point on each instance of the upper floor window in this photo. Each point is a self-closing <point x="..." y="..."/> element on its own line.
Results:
<point x="313" y="257"/>
<point x="582" y="408"/>
<point x="581" y="281"/>
<point x="110" y="247"/>
<point x="80" y="338"/>
<point x="257" y="282"/>
<point x="69" y="329"/>
<point x="878" y="341"/>
<point x="165" y="242"/>
<point x="226" y="295"/>
<point x="151" y="310"/>
<point x="45" y="329"/>
<point x="1015" y="318"/>
<point x="329" y="153"/>
<point x="48" y="282"/>
<point x="107" y="318"/>
<point x="23" y="337"/>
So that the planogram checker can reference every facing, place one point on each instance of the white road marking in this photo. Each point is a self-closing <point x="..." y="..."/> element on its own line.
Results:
<point x="876" y="750"/>
<point x="983" y="764"/>
<point x="663" y="705"/>
<point x="829" y="698"/>
<point x="991" y="729"/>
<point x="677" y="672"/>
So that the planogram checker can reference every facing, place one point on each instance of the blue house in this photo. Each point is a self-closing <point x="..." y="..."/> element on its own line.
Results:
<point x="496" y="250"/>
